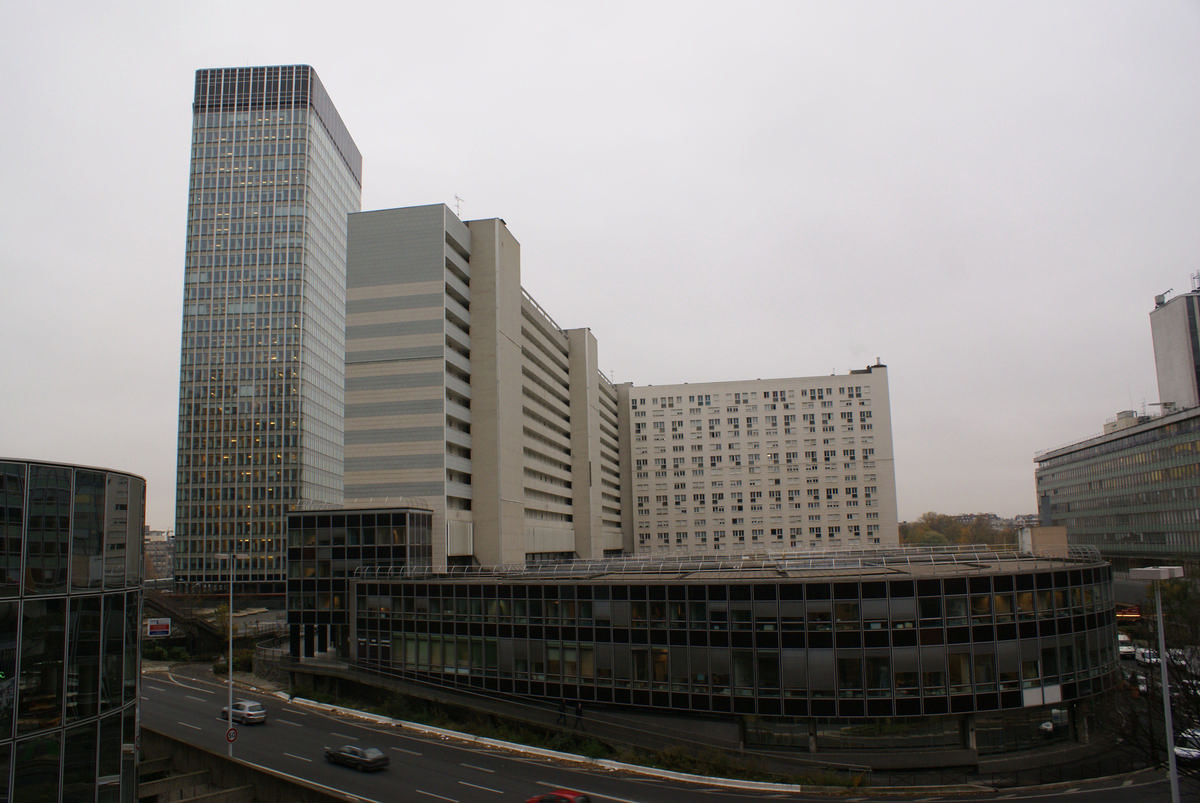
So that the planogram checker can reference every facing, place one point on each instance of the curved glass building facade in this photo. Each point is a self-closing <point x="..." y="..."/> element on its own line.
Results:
<point x="70" y="616"/>
<point x="978" y="651"/>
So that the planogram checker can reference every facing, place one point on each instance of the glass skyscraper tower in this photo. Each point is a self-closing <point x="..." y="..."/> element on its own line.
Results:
<point x="274" y="173"/>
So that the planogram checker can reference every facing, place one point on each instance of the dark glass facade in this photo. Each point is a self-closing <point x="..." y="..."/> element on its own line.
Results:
<point x="1133" y="493"/>
<point x="70" y="617"/>
<point x="328" y="549"/>
<point x="803" y="652"/>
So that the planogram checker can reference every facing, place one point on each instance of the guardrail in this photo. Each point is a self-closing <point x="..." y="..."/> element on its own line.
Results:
<point x="965" y="555"/>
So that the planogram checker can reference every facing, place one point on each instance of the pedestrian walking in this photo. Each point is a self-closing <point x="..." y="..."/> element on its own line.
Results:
<point x="579" y="715"/>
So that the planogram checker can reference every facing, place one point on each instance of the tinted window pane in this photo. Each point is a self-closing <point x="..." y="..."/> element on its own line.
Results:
<point x="35" y="769"/>
<point x="83" y="649"/>
<point x="47" y="530"/>
<point x="8" y="664"/>
<point x="40" y="699"/>
<point x="87" y="530"/>
<point x="112" y="658"/>
<point x="79" y="769"/>
<point x="12" y="519"/>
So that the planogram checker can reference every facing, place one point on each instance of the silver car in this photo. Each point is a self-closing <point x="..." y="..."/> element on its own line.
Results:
<point x="246" y="712"/>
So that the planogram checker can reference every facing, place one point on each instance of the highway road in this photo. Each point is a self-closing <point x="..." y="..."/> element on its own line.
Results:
<point x="432" y="768"/>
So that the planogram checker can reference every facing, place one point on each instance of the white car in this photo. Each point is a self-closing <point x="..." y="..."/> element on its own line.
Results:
<point x="246" y="712"/>
<point x="1125" y="646"/>
<point x="1187" y="745"/>
<point x="1145" y="655"/>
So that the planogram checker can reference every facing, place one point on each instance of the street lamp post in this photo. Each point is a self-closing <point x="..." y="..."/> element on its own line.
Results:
<point x="1157" y="574"/>
<point x="232" y="558"/>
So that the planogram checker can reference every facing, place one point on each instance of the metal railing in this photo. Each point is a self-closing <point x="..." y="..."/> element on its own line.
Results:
<point x="969" y="556"/>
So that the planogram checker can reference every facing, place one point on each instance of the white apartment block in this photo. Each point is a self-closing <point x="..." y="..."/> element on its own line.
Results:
<point x="464" y="396"/>
<point x="766" y="465"/>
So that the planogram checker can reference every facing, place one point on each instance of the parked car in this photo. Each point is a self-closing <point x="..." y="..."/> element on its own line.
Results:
<point x="1125" y="646"/>
<point x="246" y="712"/>
<point x="1187" y="746"/>
<point x="360" y="758"/>
<point x="560" y="796"/>
<point x="1145" y="655"/>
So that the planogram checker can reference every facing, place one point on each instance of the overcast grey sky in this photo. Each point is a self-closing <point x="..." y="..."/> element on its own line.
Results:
<point x="986" y="196"/>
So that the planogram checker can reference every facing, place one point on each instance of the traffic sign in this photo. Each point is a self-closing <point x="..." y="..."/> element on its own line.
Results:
<point x="231" y="735"/>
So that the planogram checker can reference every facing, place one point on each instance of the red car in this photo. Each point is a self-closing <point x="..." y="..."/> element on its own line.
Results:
<point x="560" y="796"/>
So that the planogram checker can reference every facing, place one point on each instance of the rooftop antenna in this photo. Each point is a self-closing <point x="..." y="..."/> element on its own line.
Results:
<point x="1161" y="298"/>
<point x="458" y="202"/>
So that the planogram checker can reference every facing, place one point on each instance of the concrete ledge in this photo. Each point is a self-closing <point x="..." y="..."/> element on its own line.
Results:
<point x="233" y="776"/>
<point x="172" y="784"/>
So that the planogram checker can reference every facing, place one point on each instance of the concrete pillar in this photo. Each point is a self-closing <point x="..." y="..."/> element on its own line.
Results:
<point x="1082" y="714"/>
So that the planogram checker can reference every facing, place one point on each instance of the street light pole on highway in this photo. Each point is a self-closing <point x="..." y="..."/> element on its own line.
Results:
<point x="232" y="557"/>
<point x="1156" y="574"/>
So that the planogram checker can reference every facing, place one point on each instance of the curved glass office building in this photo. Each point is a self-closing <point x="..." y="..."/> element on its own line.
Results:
<point x="953" y="654"/>
<point x="70" y="614"/>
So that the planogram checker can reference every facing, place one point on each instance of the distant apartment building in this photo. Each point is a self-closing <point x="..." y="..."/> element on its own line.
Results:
<point x="160" y="557"/>
<point x="1134" y="490"/>
<point x="274" y="173"/>
<point x="465" y="398"/>
<point x="765" y="465"/>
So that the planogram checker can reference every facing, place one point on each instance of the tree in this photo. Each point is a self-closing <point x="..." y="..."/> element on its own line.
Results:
<point x="222" y="619"/>
<point x="927" y="538"/>
<point x="939" y="528"/>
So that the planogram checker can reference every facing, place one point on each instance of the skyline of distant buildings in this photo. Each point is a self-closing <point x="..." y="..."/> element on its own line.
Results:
<point x="334" y="357"/>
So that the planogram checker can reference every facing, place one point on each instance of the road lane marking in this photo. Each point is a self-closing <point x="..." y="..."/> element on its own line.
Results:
<point x="410" y="752"/>
<point x="482" y="788"/>
<point x="200" y="689"/>
<point x="439" y="797"/>
<point x="289" y="722"/>
<point x="154" y="688"/>
<point x="344" y="736"/>
<point x="189" y="725"/>
<point x="473" y="767"/>
<point x="298" y="758"/>
<point x="195" y="699"/>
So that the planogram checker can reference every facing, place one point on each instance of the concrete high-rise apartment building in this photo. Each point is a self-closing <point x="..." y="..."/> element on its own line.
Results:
<point x="465" y="397"/>
<point x="274" y="174"/>
<point x="766" y="465"/>
<point x="1175" y="327"/>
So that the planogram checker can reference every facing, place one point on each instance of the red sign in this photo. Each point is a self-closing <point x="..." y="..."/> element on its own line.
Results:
<point x="231" y="735"/>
